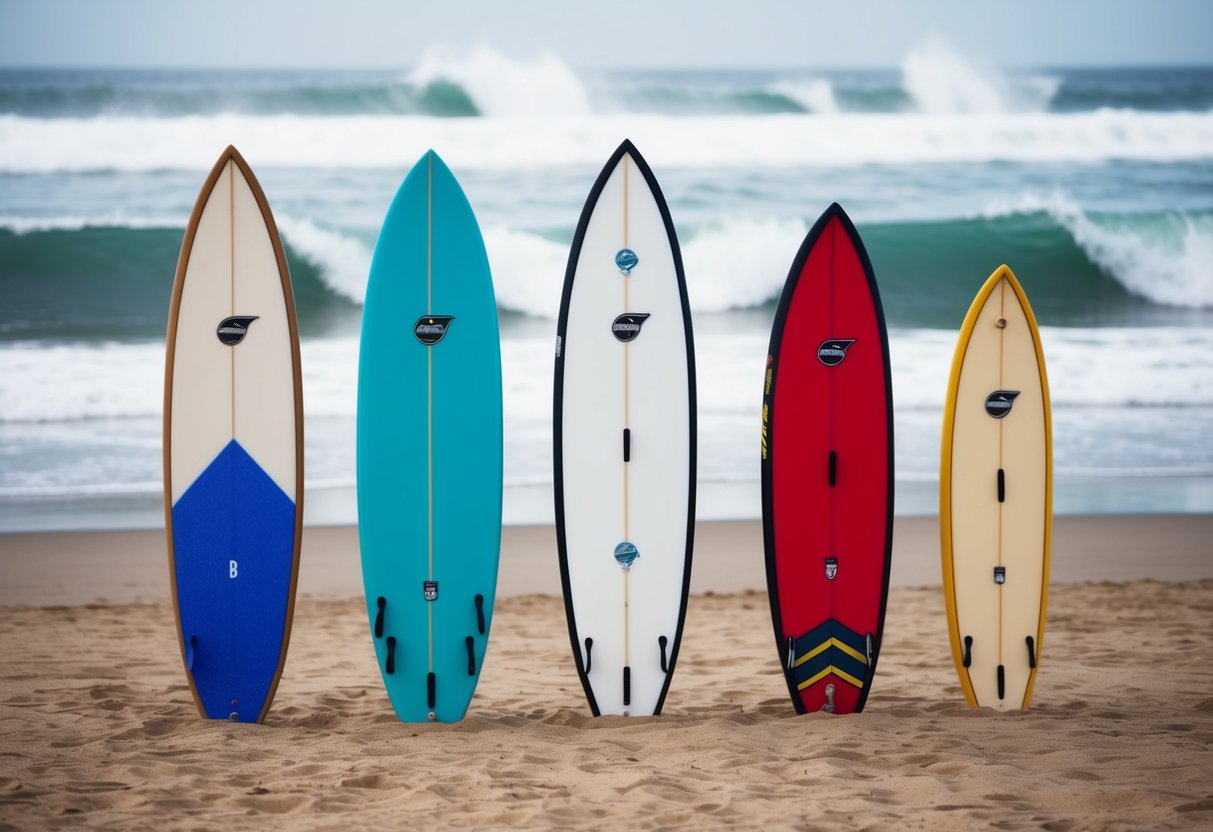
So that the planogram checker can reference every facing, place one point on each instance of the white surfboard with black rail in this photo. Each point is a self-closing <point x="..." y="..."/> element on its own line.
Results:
<point x="624" y="432"/>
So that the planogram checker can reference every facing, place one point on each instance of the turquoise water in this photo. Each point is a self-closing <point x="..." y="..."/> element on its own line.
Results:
<point x="1096" y="186"/>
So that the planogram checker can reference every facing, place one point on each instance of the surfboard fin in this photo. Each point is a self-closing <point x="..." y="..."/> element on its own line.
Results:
<point x="1031" y="652"/>
<point x="833" y="465"/>
<point x="968" y="654"/>
<point x="589" y="646"/>
<point x="390" y="665"/>
<point x="791" y="654"/>
<point x="1002" y="683"/>
<point x="870" y="651"/>
<point x="480" y="614"/>
<point x="191" y="645"/>
<point x="382" y="604"/>
<point x="661" y="642"/>
<point x="470" y="643"/>
<point x="627" y="686"/>
<point x="431" y="689"/>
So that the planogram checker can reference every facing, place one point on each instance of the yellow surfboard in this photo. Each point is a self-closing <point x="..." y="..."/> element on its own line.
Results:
<point x="996" y="497"/>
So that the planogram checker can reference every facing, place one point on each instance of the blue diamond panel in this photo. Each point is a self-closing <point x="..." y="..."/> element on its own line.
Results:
<point x="233" y="545"/>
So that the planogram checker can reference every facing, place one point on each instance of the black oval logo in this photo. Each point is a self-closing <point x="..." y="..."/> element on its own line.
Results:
<point x="832" y="351"/>
<point x="430" y="329"/>
<point x="627" y="327"/>
<point x="998" y="403"/>
<point x="231" y="331"/>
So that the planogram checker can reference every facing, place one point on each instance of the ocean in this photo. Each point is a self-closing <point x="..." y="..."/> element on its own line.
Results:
<point x="1094" y="185"/>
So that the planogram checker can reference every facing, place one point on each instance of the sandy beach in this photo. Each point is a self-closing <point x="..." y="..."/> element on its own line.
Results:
<point x="99" y="729"/>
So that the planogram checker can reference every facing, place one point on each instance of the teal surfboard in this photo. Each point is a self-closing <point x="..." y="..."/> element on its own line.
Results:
<point x="429" y="447"/>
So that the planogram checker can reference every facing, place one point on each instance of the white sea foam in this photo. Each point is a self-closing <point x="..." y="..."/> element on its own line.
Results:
<point x="33" y="225"/>
<point x="1125" y="400"/>
<point x="528" y="270"/>
<point x="342" y="261"/>
<point x="501" y="86"/>
<point x="814" y="94"/>
<point x="1088" y="368"/>
<point x="1164" y="259"/>
<point x="79" y="381"/>
<point x="540" y="142"/>
<point x="737" y="263"/>
<point x="125" y="380"/>
<point x="940" y="80"/>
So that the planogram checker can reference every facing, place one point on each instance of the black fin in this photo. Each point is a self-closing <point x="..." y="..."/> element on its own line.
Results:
<point x="968" y="654"/>
<point x="389" y="666"/>
<point x="382" y="603"/>
<point x="480" y="613"/>
<point x="661" y="642"/>
<point x="1002" y="683"/>
<point x="1031" y="652"/>
<point x="589" y="646"/>
<point x="627" y="686"/>
<point x="833" y="465"/>
<point x="431" y="689"/>
<point x="470" y="643"/>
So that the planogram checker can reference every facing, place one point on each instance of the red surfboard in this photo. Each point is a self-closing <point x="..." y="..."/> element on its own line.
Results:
<point x="827" y="470"/>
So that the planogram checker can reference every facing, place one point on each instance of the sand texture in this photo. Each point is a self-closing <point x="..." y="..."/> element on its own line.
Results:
<point x="99" y="731"/>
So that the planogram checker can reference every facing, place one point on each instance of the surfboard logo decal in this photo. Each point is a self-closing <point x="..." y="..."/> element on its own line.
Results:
<point x="626" y="554"/>
<point x="627" y="326"/>
<point x="626" y="260"/>
<point x="832" y="351"/>
<point x="766" y="417"/>
<point x="231" y="331"/>
<point x="998" y="403"/>
<point x="430" y="329"/>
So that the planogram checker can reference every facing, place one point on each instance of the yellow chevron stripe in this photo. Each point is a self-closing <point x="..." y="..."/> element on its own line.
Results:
<point x="802" y="659"/>
<point x="850" y="651"/>
<point x="846" y="648"/>
<point x="846" y="677"/>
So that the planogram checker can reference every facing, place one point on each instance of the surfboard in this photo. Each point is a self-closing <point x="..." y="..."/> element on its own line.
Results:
<point x="996" y="497"/>
<point x="429" y="447"/>
<point x="624" y="441"/>
<point x="233" y="447"/>
<point x="827" y="470"/>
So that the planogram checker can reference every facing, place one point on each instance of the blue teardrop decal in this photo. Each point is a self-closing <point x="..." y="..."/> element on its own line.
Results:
<point x="626" y="554"/>
<point x="626" y="260"/>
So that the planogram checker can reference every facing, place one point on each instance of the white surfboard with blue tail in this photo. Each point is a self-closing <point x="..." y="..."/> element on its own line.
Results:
<point x="624" y="441"/>
<point x="233" y="447"/>
<point x="429" y="447"/>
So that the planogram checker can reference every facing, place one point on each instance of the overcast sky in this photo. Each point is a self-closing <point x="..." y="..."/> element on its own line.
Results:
<point x="619" y="33"/>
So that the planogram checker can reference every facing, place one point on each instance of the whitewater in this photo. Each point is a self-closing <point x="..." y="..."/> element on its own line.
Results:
<point x="1096" y="186"/>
